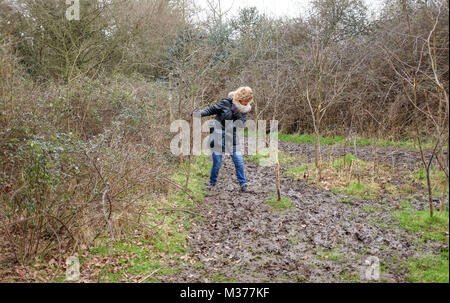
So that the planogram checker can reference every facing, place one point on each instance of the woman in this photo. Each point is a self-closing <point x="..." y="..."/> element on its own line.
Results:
<point x="233" y="108"/>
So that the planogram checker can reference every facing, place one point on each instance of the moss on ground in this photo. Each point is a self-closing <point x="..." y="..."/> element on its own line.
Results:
<point x="283" y="204"/>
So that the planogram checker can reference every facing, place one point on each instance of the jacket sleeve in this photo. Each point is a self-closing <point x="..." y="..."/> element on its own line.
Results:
<point x="244" y="118"/>
<point x="213" y="110"/>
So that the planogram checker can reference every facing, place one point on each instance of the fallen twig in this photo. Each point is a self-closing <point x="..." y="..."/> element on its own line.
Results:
<point x="150" y="275"/>
<point x="184" y="189"/>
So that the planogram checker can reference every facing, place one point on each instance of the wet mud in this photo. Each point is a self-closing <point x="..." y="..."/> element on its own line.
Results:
<point x="323" y="238"/>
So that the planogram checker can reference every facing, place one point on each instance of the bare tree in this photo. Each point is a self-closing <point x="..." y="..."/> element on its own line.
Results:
<point x="425" y="91"/>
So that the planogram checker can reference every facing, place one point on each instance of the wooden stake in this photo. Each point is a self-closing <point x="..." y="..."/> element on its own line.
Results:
<point x="278" y="178"/>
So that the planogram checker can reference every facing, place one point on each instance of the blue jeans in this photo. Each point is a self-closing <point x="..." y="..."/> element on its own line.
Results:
<point x="238" y="164"/>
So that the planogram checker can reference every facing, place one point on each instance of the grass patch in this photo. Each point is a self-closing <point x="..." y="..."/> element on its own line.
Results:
<point x="129" y="260"/>
<point x="438" y="180"/>
<point x="404" y="143"/>
<point x="331" y="255"/>
<point x="298" y="172"/>
<point x="408" y="189"/>
<point x="343" y="162"/>
<point x="198" y="265"/>
<point x="293" y="239"/>
<point x="359" y="189"/>
<point x="429" y="269"/>
<point x="283" y="157"/>
<point x="404" y="205"/>
<point x="348" y="201"/>
<point x="170" y="218"/>
<point x="283" y="204"/>
<point x="360" y="141"/>
<point x="347" y="175"/>
<point x="355" y="177"/>
<point x="350" y="277"/>
<point x="430" y="228"/>
<point x="310" y="138"/>
<point x="369" y="209"/>
<point x="200" y="168"/>
<point x="382" y="222"/>
<point x="221" y="278"/>
<point x="257" y="157"/>
<point x="286" y="158"/>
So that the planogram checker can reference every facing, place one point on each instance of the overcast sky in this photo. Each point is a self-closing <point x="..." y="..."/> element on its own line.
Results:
<point x="277" y="8"/>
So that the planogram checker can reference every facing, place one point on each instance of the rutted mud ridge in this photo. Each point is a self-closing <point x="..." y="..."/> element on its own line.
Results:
<point x="244" y="239"/>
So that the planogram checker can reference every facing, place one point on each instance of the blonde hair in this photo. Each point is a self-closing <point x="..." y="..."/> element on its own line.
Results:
<point x="244" y="93"/>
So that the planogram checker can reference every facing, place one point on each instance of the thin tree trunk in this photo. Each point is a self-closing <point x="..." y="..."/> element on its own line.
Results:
<point x="427" y="170"/>
<point x="191" y="141"/>
<point x="317" y="154"/>
<point x="278" y="180"/>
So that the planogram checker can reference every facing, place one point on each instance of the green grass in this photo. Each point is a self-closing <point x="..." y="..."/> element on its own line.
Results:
<point x="429" y="269"/>
<point x="438" y="180"/>
<point x="355" y="177"/>
<point x="198" y="265"/>
<point x="331" y="255"/>
<point x="345" y="200"/>
<point x="347" y="175"/>
<point x="408" y="189"/>
<point x="283" y="157"/>
<point x="200" y="168"/>
<point x="138" y="260"/>
<point x="293" y="239"/>
<point x="407" y="143"/>
<point x="310" y="138"/>
<point x="221" y="278"/>
<point x="404" y="205"/>
<point x="255" y="158"/>
<point x="341" y="140"/>
<point x="358" y="189"/>
<point x="348" y="277"/>
<point x="298" y="171"/>
<point x="431" y="228"/>
<point x="369" y="209"/>
<point x="145" y="261"/>
<point x="148" y="253"/>
<point x="381" y="224"/>
<point x="283" y="204"/>
<point x="343" y="162"/>
<point x="175" y="243"/>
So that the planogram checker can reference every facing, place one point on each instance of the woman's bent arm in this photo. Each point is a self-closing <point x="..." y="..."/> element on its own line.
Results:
<point x="214" y="110"/>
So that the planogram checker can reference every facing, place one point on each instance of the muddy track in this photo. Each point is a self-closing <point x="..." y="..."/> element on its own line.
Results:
<point x="244" y="239"/>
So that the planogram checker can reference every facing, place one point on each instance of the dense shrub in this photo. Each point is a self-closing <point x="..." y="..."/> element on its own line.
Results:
<point x="77" y="159"/>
